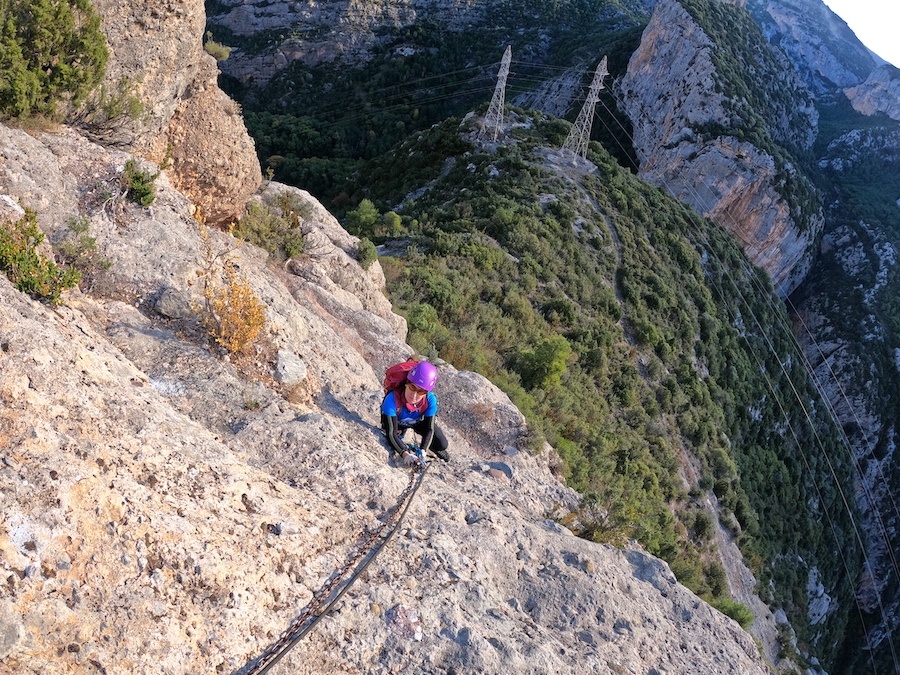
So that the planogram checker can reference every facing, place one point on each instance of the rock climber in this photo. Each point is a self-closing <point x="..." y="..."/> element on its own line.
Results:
<point x="413" y="405"/>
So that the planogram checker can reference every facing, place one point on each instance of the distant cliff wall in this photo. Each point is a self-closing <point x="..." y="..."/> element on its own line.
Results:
<point x="669" y="92"/>
<point x="880" y="93"/>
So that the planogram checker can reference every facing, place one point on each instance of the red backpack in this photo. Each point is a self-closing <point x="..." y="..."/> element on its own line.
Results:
<point x="395" y="378"/>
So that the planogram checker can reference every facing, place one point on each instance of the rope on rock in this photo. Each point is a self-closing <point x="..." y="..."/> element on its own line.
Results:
<point x="339" y="583"/>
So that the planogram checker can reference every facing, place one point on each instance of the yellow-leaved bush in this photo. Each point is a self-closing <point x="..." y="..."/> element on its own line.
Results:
<point x="233" y="314"/>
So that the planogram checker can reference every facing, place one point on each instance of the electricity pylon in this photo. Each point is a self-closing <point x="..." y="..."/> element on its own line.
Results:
<point x="577" y="140"/>
<point x="494" y="116"/>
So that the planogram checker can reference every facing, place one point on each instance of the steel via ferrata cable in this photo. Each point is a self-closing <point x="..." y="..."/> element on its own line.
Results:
<point x="335" y="588"/>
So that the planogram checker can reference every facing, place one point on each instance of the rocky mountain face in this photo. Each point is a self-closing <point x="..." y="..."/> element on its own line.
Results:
<point x="271" y="39"/>
<point x="187" y="121"/>
<point x="160" y="501"/>
<point x="671" y="95"/>
<point x="844" y="358"/>
<point x="879" y="93"/>
<point x="692" y="136"/>
<point x="821" y="47"/>
<point x="314" y="33"/>
<point x="828" y="56"/>
<point x="167" y="509"/>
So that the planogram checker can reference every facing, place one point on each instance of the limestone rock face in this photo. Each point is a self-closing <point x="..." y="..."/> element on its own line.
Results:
<point x="213" y="157"/>
<point x="880" y="93"/>
<point x="166" y="510"/>
<point x="859" y="145"/>
<point x="157" y="47"/>
<point x="819" y="43"/>
<point x="671" y="80"/>
<point x="313" y="34"/>
<point x="732" y="183"/>
<point x="329" y="263"/>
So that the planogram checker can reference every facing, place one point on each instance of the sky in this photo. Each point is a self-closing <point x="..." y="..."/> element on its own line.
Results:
<point x="875" y="22"/>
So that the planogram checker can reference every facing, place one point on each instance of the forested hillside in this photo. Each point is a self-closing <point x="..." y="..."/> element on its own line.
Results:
<point x="636" y="337"/>
<point x="633" y="333"/>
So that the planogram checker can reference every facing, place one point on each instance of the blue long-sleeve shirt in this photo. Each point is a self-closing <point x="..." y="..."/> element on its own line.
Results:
<point x="398" y="418"/>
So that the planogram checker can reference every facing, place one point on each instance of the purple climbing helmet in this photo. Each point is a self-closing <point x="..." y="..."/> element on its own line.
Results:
<point x="423" y="375"/>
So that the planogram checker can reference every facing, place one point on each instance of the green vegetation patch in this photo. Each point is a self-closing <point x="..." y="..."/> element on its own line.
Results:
<point x="29" y="270"/>
<point x="52" y="54"/>
<point x="275" y="225"/>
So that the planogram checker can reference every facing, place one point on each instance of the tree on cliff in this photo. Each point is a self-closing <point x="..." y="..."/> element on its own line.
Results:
<point x="51" y="52"/>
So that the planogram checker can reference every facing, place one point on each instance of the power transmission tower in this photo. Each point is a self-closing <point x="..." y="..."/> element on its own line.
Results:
<point x="577" y="140"/>
<point x="494" y="116"/>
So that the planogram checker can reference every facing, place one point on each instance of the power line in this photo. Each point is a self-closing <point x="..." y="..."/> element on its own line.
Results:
<point x="577" y="140"/>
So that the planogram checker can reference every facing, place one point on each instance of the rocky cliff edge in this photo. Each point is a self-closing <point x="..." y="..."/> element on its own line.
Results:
<point x="156" y="50"/>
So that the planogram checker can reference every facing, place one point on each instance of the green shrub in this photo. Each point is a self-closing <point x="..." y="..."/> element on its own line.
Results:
<point x="393" y="224"/>
<point x="702" y="528"/>
<point x="423" y="318"/>
<point x="688" y="570"/>
<point x="216" y="49"/>
<point x="736" y="610"/>
<point x="79" y="250"/>
<point x="139" y="184"/>
<point x="52" y="54"/>
<point x="366" y="253"/>
<point x="28" y="270"/>
<point x="363" y="219"/>
<point x="105" y="115"/>
<point x="274" y="227"/>
<point x="544" y="365"/>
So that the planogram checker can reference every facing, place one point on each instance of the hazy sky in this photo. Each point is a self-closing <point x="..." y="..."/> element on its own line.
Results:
<point x="875" y="22"/>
